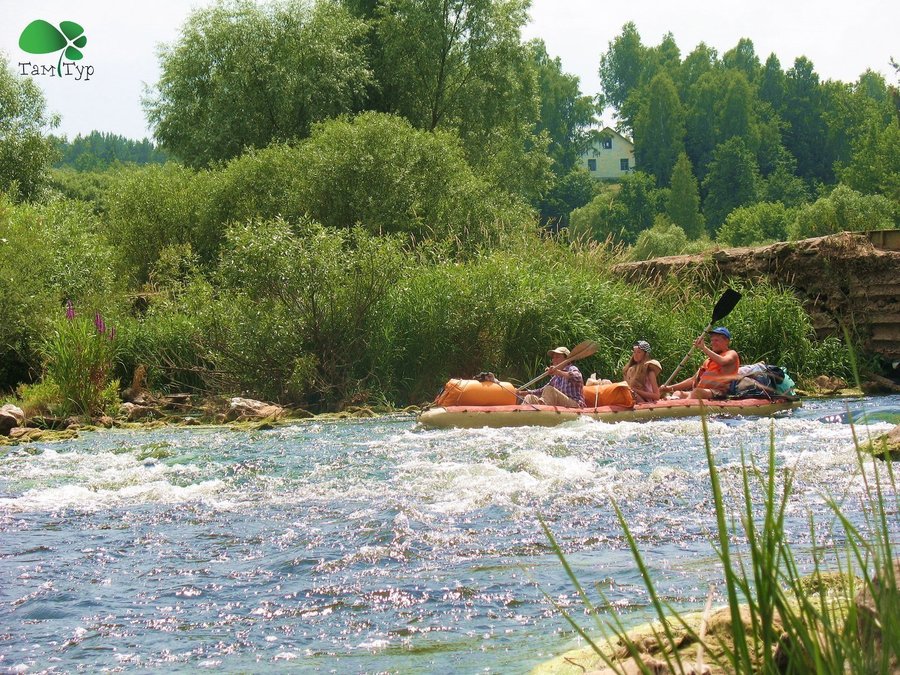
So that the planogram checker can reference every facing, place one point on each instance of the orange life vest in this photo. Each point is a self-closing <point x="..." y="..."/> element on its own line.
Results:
<point x="710" y="372"/>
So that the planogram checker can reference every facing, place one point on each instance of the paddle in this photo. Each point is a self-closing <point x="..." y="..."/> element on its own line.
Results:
<point x="722" y="309"/>
<point x="580" y="351"/>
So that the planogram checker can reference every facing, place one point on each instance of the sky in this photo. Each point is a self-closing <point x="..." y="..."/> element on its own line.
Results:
<point x="842" y="39"/>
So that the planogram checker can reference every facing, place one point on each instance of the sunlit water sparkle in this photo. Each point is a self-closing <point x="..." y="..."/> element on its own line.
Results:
<point x="370" y="546"/>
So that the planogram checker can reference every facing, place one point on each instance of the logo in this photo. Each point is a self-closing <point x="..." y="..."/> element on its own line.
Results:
<point x="42" y="37"/>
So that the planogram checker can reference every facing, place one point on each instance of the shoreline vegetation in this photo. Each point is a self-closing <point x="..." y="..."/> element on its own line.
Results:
<point x="389" y="217"/>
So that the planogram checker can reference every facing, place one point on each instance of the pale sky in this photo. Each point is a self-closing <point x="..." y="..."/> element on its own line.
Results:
<point x="842" y="39"/>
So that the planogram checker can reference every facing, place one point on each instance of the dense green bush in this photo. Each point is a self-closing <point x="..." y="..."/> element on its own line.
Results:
<point x="844" y="209"/>
<point x="761" y="223"/>
<point x="664" y="238"/>
<point x="159" y="206"/>
<point x="49" y="253"/>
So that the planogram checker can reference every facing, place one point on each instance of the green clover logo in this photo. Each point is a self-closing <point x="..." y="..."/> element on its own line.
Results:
<point x="42" y="37"/>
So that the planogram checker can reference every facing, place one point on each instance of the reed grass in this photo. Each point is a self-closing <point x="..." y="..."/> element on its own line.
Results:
<point x="782" y="619"/>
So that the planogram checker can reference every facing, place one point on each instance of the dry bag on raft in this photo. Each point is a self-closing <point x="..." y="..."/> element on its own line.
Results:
<point x="617" y="393"/>
<point x="473" y="392"/>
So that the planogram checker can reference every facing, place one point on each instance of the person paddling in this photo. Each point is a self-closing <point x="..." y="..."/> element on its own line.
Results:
<point x="715" y="376"/>
<point x="566" y="386"/>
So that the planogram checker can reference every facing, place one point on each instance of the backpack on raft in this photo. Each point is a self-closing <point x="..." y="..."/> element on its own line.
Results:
<point x="761" y="380"/>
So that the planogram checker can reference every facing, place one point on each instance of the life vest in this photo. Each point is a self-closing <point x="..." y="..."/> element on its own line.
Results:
<point x="713" y="370"/>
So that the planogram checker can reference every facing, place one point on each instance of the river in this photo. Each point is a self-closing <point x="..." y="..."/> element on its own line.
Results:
<point x="372" y="545"/>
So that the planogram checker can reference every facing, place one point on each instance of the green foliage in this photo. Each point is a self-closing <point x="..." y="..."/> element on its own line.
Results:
<point x="664" y="238"/>
<point x="875" y="166"/>
<point x="300" y="305"/>
<point x="659" y="129"/>
<point x="844" y="209"/>
<point x="565" y="113"/>
<point x="40" y="398"/>
<point x="732" y="181"/>
<point x="79" y="358"/>
<point x="99" y="151"/>
<point x="622" y="69"/>
<point x="620" y="215"/>
<point x="769" y="134"/>
<point x="26" y="152"/>
<point x="48" y="253"/>
<point x="94" y="187"/>
<point x="379" y="172"/>
<point x="757" y="224"/>
<point x="683" y="207"/>
<point x="159" y="206"/>
<point x="569" y="192"/>
<point x="243" y="75"/>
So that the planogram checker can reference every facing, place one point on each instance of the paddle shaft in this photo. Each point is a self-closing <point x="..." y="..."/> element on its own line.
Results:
<point x="685" y="359"/>
<point x="587" y="351"/>
<point x="722" y="309"/>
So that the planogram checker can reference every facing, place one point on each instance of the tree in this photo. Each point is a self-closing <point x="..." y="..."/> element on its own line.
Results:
<point x="875" y="165"/>
<point x="806" y="129"/>
<point x="683" y="206"/>
<point x="659" y="129"/>
<point x="639" y="199"/>
<point x="701" y="123"/>
<point x="26" y="151"/>
<point x="566" y="114"/>
<point x="570" y="192"/>
<point x="664" y="238"/>
<point x="743" y="58"/>
<point x="773" y="84"/>
<point x="242" y="76"/>
<point x="735" y="111"/>
<point x="696" y="64"/>
<point x="733" y="180"/>
<point x="461" y="65"/>
<point x="621" y="71"/>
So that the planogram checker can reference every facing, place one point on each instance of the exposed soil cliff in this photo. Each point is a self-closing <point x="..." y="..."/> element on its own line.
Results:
<point x="844" y="280"/>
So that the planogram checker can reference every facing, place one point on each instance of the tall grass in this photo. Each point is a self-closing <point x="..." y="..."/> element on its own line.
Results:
<point x="782" y="619"/>
<point x="80" y="354"/>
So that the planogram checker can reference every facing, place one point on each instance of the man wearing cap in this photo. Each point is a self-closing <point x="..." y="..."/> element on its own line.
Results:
<point x="715" y="376"/>
<point x="566" y="387"/>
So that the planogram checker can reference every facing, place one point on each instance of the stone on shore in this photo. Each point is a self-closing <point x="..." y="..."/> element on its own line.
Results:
<point x="886" y="446"/>
<point x="134" y="412"/>
<point x="246" y="410"/>
<point x="10" y="417"/>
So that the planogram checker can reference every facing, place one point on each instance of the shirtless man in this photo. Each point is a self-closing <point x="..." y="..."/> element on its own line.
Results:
<point x="714" y="377"/>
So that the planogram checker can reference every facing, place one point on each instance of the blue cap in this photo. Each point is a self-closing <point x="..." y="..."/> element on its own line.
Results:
<point x="721" y="330"/>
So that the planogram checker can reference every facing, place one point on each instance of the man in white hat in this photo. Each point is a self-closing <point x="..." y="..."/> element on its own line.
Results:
<point x="566" y="387"/>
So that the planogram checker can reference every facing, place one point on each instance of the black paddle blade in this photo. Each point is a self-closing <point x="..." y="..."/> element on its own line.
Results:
<point x="725" y="304"/>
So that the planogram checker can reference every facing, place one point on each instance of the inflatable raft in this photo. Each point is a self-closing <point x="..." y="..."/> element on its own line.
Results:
<point x="475" y="416"/>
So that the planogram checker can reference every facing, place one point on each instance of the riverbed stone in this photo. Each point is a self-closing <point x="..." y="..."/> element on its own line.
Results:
<point x="247" y="409"/>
